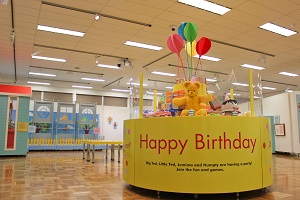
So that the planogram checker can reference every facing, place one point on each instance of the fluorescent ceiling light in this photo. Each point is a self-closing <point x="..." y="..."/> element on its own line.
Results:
<point x="41" y="74"/>
<point x="277" y="29"/>
<point x="108" y="66"/>
<point x="169" y="87"/>
<point x="211" y="80"/>
<point x="157" y="93"/>
<point x="240" y="84"/>
<point x="47" y="58"/>
<point x="211" y="92"/>
<point x="234" y="94"/>
<point x="38" y="83"/>
<point x="256" y="97"/>
<point x="163" y="73"/>
<point x="93" y="79"/>
<point x="252" y="66"/>
<point x="288" y="90"/>
<point x="61" y="31"/>
<point x="206" y="5"/>
<point x="84" y="87"/>
<point x="141" y="45"/>
<point x="119" y="90"/>
<point x="288" y="74"/>
<point x="144" y="84"/>
<point x="97" y="17"/>
<point x="208" y="58"/>
<point x="269" y="88"/>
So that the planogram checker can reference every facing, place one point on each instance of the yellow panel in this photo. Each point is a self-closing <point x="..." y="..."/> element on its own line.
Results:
<point x="198" y="154"/>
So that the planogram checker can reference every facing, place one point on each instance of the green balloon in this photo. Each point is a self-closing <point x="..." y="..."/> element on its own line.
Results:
<point x="190" y="31"/>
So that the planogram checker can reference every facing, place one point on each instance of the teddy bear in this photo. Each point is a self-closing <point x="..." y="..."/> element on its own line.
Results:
<point x="191" y="100"/>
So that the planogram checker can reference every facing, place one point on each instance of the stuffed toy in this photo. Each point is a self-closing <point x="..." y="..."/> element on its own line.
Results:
<point x="191" y="100"/>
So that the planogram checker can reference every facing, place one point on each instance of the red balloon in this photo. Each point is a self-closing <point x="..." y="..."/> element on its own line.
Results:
<point x="203" y="46"/>
<point x="175" y="43"/>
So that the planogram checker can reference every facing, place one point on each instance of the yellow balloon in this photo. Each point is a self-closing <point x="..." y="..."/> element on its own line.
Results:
<point x="191" y="51"/>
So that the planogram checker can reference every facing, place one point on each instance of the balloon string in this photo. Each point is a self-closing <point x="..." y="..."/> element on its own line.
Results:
<point x="191" y="59"/>
<point x="182" y="67"/>
<point x="187" y="59"/>
<point x="178" y="73"/>
<point x="197" y="66"/>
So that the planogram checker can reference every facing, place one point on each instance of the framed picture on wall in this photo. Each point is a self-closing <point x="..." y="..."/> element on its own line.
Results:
<point x="280" y="129"/>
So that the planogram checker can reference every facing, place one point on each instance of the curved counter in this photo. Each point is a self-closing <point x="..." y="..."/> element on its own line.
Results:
<point x="215" y="154"/>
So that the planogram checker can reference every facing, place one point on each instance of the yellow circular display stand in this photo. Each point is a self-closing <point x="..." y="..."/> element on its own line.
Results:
<point x="215" y="154"/>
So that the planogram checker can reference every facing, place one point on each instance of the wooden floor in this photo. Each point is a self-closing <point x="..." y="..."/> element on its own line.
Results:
<point x="64" y="175"/>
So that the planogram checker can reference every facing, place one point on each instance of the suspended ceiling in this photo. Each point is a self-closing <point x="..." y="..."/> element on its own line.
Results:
<point x="236" y="39"/>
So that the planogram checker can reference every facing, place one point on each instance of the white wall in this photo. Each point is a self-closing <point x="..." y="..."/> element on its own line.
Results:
<point x="285" y="106"/>
<point x="118" y="115"/>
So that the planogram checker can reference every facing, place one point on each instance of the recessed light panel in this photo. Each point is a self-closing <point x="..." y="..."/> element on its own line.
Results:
<point x="83" y="87"/>
<point x="240" y="84"/>
<point x="252" y="66"/>
<point x="119" y="90"/>
<point x="92" y="79"/>
<point x="163" y="73"/>
<point x="269" y="88"/>
<point x="288" y="74"/>
<point x="144" y="84"/>
<point x="141" y="45"/>
<point x="206" y="5"/>
<point x="108" y="66"/>
<point x="41" y="74"/>
<point x="61" y="31"/>
<point x="38" y="83"/>
<point x="157" y="93"/>
<point x="277" y="29"/>
<point x="208" y="58"/>
<point x="169" y="87"/>
<point x="211" y="80"/>
<point x="47" y="58"/>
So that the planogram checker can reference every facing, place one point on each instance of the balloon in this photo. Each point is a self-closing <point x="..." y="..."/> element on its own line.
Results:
<point x="181" y="30"/>
<point x="190" y="31"/>
<point x="191" y="51"/>
<point x="203" y="46"/>
<point x="175" y="43"/>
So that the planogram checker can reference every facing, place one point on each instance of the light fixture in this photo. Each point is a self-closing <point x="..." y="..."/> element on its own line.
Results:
<point x="97" y="17"/>
<point x="48" y="58"/>
<point x="41" y="74"/>
<point x="206" y="5"/>
<point x="277" y="29"/>
<point x="38" y="83"/>
<point x="169" y="87"/>
<point x="287" y="89"/>
<point x="163" y="73"/>
<point x="92" y="79"/>
<point x="97" y="59"/>
<point x="211" y="80"/>
<point x="288" y="74"/>
<point x="119" y="90"/>
<point x="109" y="66"/>
<point x="252" y="66"/>
<point x="240" y="84"/>
<point x="211" y="92"/>
<point x="83" y="87"/>
<point x="208" y="58"/>
<point x="141" y="45"/>
<point x="36" y="53"/>
<point x="144" y="84"/>
<point x="269" y="88"/>
<point x="157" y="93"/>
<point x="127" y="63"/>
<point x="61" y="31"/>
<point x="234" y="94"/>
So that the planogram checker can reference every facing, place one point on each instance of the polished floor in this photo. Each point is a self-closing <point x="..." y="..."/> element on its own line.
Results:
<point x="64" y="175"/>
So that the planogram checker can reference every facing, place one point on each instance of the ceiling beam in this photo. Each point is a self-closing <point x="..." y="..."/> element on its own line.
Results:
<point x="95" y="13"/>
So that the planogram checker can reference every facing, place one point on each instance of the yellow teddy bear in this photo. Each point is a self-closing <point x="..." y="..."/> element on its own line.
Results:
<point x="191" y="100"/>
